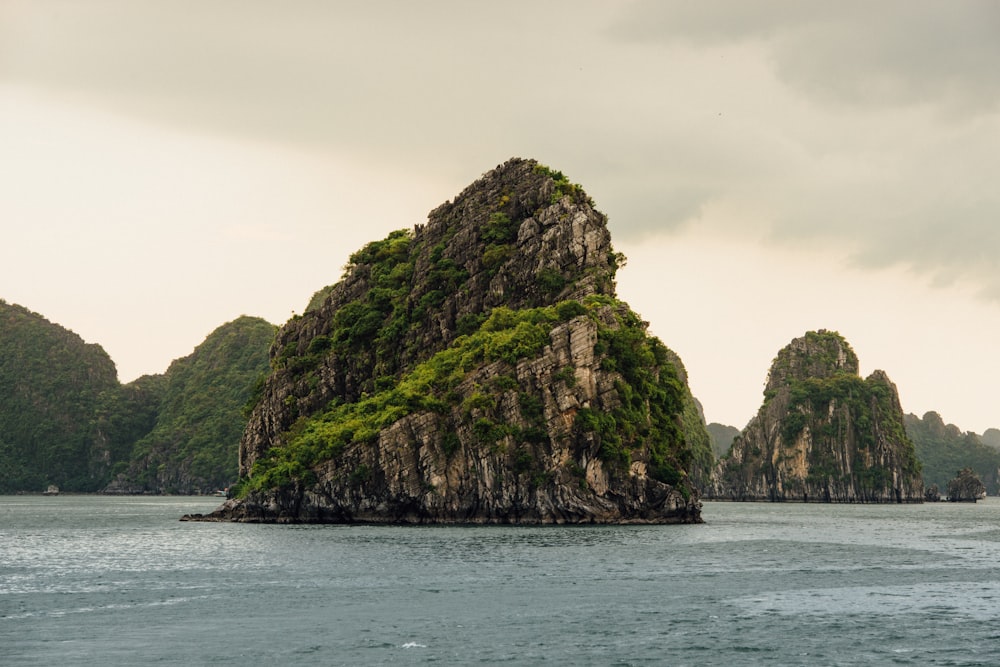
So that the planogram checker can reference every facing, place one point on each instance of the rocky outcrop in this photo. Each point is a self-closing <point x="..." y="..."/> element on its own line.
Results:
<point x="823" y="434"/>
<point x="477" y="369"/>
<point x="966" y="487"/>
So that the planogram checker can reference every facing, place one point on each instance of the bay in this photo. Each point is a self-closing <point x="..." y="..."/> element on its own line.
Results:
<point x="92" y="580"/>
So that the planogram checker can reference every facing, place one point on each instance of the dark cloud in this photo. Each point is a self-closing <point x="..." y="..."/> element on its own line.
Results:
<point x="852" y="52"/>
<point x="900" y="134"/>
<point x="812" y="122"/>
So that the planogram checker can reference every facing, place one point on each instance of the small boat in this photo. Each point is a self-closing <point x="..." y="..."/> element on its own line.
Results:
<point x="53" y="490"/>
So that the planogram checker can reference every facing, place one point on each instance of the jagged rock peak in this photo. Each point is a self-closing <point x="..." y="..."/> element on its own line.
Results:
<point x="522" y="236"/>
<point x="477" y="369"/>
<point x="822" y="433"/>
<point x="818" y="354"/>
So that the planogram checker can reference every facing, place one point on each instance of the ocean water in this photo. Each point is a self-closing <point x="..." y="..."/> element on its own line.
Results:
<point x="88" y="580"/>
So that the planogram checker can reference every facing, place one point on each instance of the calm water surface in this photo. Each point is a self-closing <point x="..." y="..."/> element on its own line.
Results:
<point x="87" y="580"/>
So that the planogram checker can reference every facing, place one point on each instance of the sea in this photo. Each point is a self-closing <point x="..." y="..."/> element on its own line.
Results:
<point x="97" y="580"/>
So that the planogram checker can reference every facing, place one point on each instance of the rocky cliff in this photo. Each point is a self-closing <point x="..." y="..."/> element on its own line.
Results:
<point x="823" y="434"/>
<point x="477" y="369"/>
<point x="966" y="487"/>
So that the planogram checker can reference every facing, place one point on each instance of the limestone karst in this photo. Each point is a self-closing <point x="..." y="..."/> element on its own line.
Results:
<point x="966" y="487"/>
<point x="822" y="434"/>
<point x="478" y="368"/>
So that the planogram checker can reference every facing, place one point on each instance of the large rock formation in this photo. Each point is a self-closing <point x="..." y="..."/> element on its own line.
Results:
<point x="823" y="434"/>
<point x="966" y="487"/>
<point x="478" y="369"/>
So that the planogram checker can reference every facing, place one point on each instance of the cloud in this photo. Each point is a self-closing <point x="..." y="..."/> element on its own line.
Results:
<point x="884" y="131"/>
<point x="867" y="126"/>
<point x="893" y="52"/>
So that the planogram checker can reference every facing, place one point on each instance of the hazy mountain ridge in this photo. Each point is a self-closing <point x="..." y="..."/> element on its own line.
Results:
<point x="722" y="438"/>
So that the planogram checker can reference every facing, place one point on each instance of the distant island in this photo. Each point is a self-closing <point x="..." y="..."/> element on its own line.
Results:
<point x="822" y="434"/>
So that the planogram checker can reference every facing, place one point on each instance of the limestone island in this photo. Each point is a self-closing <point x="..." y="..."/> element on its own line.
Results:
<point x="477" y="369"/>
<point x="822" y="434"/>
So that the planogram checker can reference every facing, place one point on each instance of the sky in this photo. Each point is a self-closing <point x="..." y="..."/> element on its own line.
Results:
<point x="769" y="167"/>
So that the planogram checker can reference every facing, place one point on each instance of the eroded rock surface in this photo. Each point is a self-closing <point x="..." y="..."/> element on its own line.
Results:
<point x="478" y="369"/>
<point x="823" y="434"/>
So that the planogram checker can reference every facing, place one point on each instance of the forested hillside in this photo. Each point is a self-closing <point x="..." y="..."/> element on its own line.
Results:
<point x="944" y="449"/>
<point x="192" y="446"/>
<point x="51" y="385"/>
<point x="65" y="420"/>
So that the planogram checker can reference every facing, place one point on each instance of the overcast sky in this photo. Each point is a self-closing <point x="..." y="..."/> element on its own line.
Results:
<point x="768" y="167"/>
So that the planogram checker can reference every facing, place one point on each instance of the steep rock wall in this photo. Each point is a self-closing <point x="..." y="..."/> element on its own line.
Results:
<point x="478" y="369"/>
<point x="822" y="434"/>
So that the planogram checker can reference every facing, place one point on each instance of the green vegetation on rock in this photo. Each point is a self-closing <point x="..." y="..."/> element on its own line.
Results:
<point x="66" y="421"/>
<point x="489" y="344"/>
<point x="823" y="433"/>
<point x="193" y="444"/>
<point x="944" y="449"/>
<point x="651" y="396"/>
<point x="51" y="386"/>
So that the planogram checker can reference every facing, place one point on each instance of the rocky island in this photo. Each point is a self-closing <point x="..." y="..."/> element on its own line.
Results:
<point x="823" y="434"/>
<point x="477" y="369"/>
<point x="966" y="487"/>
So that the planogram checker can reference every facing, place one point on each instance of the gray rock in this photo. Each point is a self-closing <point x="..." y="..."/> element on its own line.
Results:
<point x="822" y="434"/>
<point x="515" y="439"/>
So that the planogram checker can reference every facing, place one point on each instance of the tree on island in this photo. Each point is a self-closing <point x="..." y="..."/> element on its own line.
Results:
<point x="966" y="487"/>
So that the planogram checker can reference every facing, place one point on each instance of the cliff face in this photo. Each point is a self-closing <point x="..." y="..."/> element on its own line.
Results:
<point x="823" y="434"/>
<point x="478" y="369"/>
<point x="966" y="487"/>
